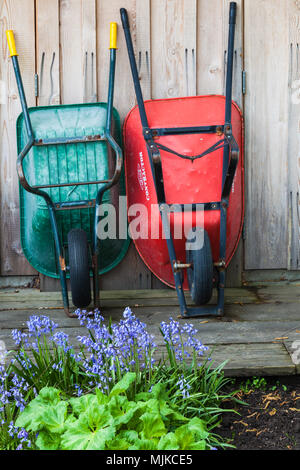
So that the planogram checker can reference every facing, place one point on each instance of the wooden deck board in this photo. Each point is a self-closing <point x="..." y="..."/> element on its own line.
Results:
<point x="255" y="336"/>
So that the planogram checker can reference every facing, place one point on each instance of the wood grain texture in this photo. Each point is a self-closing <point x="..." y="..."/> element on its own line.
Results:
<point x="294" y="136"/>
<point x="143" y="45"/>
<point x="168" y="51"/>
<point x="252" y="344"/>
<point x="266" y="111"/>
<point x="78" y="51"/>
<point x="47" y="52"/>
<point x="210" y="47"/>
<point x="19" y="16"/>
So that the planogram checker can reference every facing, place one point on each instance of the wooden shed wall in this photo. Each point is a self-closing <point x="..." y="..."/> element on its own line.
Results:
<point x="181" y="50"/>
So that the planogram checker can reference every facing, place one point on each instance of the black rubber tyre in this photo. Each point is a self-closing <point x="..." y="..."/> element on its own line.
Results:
<point x="201" y="274"/>
<point x="79" y="268"/>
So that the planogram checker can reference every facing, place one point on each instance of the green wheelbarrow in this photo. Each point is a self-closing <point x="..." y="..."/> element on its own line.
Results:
<point x="70" y="164"/>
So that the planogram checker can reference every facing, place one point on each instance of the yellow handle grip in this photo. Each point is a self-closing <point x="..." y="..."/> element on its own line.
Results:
<point x="11" y="42"/>
<point x="113" y="35"/>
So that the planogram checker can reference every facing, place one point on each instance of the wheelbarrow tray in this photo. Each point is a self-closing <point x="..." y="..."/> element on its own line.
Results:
<point x="185" y="182"/>
<point x="75" y="162"/>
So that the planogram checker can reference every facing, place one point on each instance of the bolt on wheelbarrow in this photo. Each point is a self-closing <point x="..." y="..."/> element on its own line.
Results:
<point x="184" y="164"/>
<point x="70" y="162"/>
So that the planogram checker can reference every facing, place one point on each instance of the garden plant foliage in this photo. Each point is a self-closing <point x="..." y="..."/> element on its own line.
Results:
<point x="110" y="392"/>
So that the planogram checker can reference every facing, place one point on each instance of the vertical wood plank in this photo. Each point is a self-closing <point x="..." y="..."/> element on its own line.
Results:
<point x="167" y="23"/>
<point x="294" y="136"/>
<point x="47" y="52"/>
<point x="266" y="109"/>
<point x="78" y="51"/>
<point x="143" y="45"/>
<point x="19" y="16"/>
<point x="210" y="50"/>
<point x="89" y="54"/>
<point x="190" y="46"/>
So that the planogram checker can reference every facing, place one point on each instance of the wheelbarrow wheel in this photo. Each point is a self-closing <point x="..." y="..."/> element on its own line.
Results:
<point x="201" y="273"/>
<point x="79" y="268"/>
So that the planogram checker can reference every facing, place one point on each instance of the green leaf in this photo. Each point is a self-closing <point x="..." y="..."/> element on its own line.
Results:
<point x="49" y="395"/>
<point x="159" y="391"/>
<point x="143" y="396"/>
<point x="117" y="405"/>
<point x="171" y="413"/>
<point x="53" y="418"/>
<point x="125" y="412"/>
<point x="123" y="385"/>
<point x="168" y="442"/>
<point x="129" y="435"/>
<point x="153" y="425"/>
<point x="96" y="417"/>
<point x="188" y="434"/>
<point x="184" y="437"/>
<point x="144" y="444"/>
<point x="198" y="428"/>
<point x="80" y="437"/>
<point x="81" y="404"/>
<point x="117" y="444"/>
<point x="200" y="445"/>
<point x="48" y="441"/>
<point x="102" y="399"/>
<point x="31" y="418"/>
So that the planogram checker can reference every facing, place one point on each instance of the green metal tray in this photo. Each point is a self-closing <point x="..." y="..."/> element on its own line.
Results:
<point x="62" y="163"/>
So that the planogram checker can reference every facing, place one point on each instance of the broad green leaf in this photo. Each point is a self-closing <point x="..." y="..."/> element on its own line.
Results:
<point x="79" y="437"/>
<point x="170" y="412"/>
<point x="125" y="412"/>
<point x="102" y="399"/>
<point x="123" y="385"/>
<point x="81" y="404"/>
<point x="49" y="395"/>
<point x="153" y="425"/>
<point x="168" y="442"/>
<point x="129" y="435"/>
<point x="143" y="396"/>
<point x="96" y="417"/>
<point x="117" y="405"/>
<point x="32" y="417"/>
<point x="185" y="438"/>
<point x="200" y="445"/>
<point x="198" y="428"/>
<point x="48" y="441"/>
<point x="191" y="433"/>
<point x="117" y="444"/>
<point x="159" y="391"/>
<point x="53" y="418"/>
<point x="145" y="444"/>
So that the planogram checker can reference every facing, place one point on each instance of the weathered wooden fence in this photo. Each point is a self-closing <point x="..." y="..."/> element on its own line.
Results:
<point x="181" y="50"/>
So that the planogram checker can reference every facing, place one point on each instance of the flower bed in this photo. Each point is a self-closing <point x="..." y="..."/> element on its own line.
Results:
<point x="112" y="392"/>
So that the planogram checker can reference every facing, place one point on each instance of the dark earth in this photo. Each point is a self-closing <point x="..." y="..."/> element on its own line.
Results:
<point x="271" y="418"/>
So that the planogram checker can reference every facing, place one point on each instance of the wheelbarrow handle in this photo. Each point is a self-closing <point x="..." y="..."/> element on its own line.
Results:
<point x="124" y="18"/>
<point x="11" y="43"/>
<point x="232" y="13"/>
<point x="14" y="57"/>
<point x="113" y="35"/>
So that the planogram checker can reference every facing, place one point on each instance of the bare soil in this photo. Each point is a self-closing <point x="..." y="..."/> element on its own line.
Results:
<point x="270" y="420"/>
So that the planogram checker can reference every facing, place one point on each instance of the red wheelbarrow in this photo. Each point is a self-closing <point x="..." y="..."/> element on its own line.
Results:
<point x="184" y="173"/>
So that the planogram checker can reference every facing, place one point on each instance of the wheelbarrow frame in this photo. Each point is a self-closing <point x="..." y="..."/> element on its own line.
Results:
<point x="39" y="190"/>
<point x="230" y="163"/>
